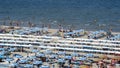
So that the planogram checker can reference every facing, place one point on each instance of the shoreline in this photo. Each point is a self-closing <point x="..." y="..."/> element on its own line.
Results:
<point x="8" y="28"/>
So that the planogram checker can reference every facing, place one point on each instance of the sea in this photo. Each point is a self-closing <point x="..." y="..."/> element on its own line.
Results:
<point x="75" y="14"/>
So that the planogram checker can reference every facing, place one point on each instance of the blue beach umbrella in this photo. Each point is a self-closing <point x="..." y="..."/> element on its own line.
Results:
<point x="23" y="61"/>
<point x="48" y="51"/>
<point x="17" y="56"/>
<point x="82" y="58"/>
<point x="61" y="60"/>
<point x="1" y="49"/>
<point x="28" y="66"/>
<point x="1" y="56"/>
<point x="35" y="51"/>
<point x="14" y="64"/>
<point x="40" y="55"/>
<point x="12" y="49"/>
<point x="32" y="57"/>
<point x="37" y="62"/>
<point x="2" y="53"/>
<point x="61" y="53"/>
<point x="89" y="55"/>
<point x="45" y="66"/>
<point x="53" y="56"/>
<point x="68" y="57"/>
<point x="9" y="59"/>
<point x="74" y="54"/>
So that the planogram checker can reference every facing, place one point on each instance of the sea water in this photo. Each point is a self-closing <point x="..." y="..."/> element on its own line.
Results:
<point x="87" y="14"/>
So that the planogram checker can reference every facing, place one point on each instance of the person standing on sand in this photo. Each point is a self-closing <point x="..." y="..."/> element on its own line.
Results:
<point x="71" y="66"/>
<point x="97" y="65"/>
<point x="9" y="62"/>
<point x="17" y="60"/>
<point x="53" y="65"/>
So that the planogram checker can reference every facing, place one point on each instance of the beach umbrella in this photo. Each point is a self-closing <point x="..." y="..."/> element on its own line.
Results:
<point x="12" y="49"/>
<point x="76" y="66"/>
<point x="48" y="51"/>
<point x="17" y="56"/>
<point x="53" y="56"/>
<point x="74" y="54"/>
<point x="37" y="62"/>
<point x="68" y="57"/>
<point x="23" y="61"/>
<point x="2" y="53"/>
<point x="1" y="49"/>
<point x="9" y="59"/>
<point x="61" y="53"/>
<point x="28" y="66"/>
<point x="34" y="50"/>
<point x="1" y="56"/>
<point x="76" y="62"/>
<point x="14" y="64"/>
<point x="45" y="66"/>
<point x="82" y="58"/>
<point x="90" y="60"/>
<point x="40" y="55"/>
<point x="31" y="57"/>
<point x="60" y="60"/>
<point x="89" y="55"/>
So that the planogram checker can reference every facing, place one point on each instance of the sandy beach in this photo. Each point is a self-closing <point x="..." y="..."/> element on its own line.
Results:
<point x="103" y="58"/>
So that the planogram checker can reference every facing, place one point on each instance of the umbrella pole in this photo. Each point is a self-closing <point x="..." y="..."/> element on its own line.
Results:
<point x="21" y="49"/>
<point x="27" y="53"/>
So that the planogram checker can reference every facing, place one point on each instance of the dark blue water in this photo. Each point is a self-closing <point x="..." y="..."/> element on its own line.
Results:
<point x="78" y="13"/>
